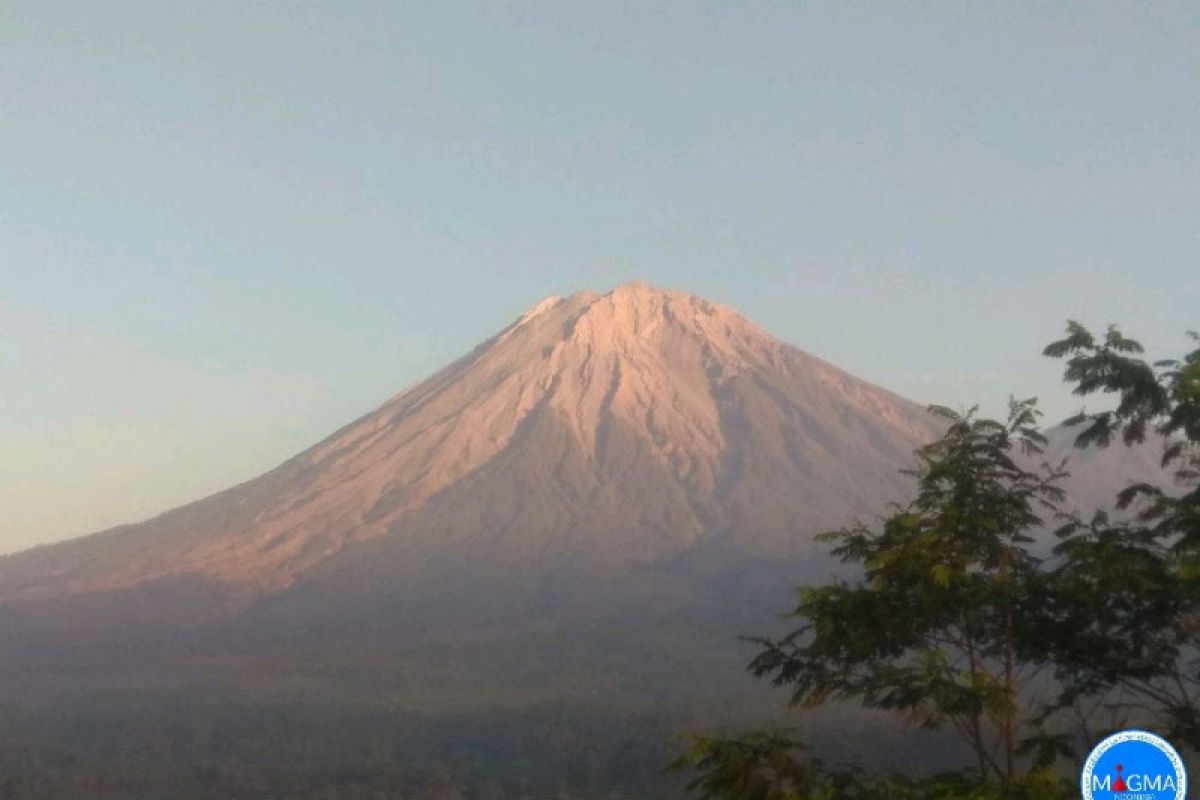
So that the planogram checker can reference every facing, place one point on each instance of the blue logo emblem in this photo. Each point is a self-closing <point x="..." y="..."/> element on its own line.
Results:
<point x="1133" y="765"/>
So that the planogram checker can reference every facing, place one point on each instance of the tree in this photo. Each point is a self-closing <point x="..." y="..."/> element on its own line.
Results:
<point x="945" y="625"/>
<point x="1139" y="649"/>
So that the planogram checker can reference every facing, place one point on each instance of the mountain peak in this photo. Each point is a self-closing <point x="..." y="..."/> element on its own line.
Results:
<point x="633" y="294"/>
<point x="637" y="291"/>
<point x="643" y="295"/>
<point x="648" y="298"/>
<point x="636" y="316"/>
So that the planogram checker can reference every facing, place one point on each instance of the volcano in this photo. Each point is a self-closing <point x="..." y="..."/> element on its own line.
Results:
<point x="596" y="433"/>
<point x="604" y="452"/>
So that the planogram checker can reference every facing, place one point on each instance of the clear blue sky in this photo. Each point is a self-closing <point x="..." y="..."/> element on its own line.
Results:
<point x="227" y="229"/>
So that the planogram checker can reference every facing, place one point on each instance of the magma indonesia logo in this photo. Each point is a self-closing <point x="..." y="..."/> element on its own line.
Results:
<point x="1134" y="765"/>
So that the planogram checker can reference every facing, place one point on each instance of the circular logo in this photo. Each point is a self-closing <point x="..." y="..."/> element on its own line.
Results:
<point x="1133" y="765"/>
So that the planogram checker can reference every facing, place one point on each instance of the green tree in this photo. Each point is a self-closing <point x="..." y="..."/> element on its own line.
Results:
<point x="945" y="626"/>
<point x="1127" y="591"/>
<point x="946" y="623"/>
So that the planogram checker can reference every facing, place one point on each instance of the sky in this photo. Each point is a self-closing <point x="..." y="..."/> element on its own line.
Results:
<point x="227" y="229"/>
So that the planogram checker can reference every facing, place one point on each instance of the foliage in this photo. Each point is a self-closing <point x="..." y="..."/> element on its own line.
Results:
<point x="948" y="622"/>
<point x="1139" y="649"/>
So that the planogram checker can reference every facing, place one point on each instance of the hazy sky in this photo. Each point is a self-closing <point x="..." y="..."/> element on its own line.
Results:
<point x="227" y="229"/>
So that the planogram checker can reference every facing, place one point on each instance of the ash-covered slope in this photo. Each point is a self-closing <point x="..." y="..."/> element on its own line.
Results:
<point x="600" y="431"/>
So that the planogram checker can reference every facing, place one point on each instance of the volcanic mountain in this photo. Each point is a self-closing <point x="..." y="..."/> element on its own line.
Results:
<point x="640" y="431"/>
<point x="597" y="430"/>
